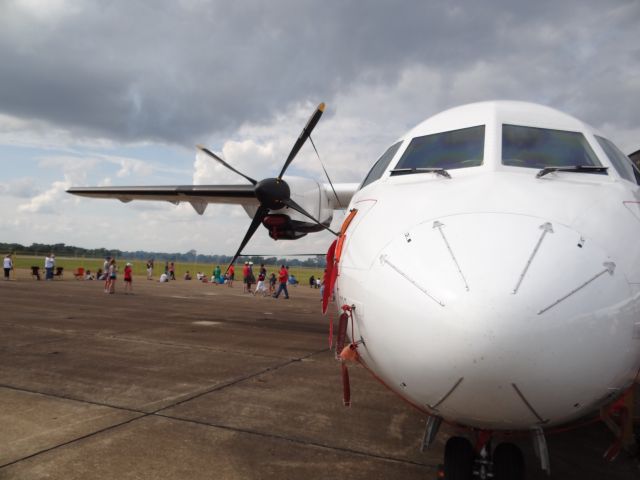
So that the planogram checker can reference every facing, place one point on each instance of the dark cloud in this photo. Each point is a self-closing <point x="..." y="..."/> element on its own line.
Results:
<point x="175" y="71"/>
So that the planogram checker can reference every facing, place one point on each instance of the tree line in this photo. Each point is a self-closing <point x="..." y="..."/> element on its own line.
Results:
<point x="63" y="250"/>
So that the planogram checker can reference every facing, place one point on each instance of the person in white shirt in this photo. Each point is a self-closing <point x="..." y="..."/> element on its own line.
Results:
<point x="105" y="269"/>
<point x="164" y="278"/>
<point x="8" y="266"/>
<point x="150" y="269"/>
<point x="261" y="287"/>
<point x="49" y="264"/>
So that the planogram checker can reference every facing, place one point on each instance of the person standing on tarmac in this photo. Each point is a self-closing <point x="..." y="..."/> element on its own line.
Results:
<point x="150" y="269"/>
<point x="272" y="283"/>
<point x="283" y="278"/>
<point x="231" y="276"/>
<point x="245" y="278"/>
<point x="8" y="266"/>
<point x="49" y="264"/>
<point x="128" y="278"/>
<point x="251" y="278"/>
<point x="262" y="277"/>
<point x="111" y="276"/>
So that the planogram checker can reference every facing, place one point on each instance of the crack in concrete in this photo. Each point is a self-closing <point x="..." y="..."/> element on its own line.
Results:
<point x="299" y="441"/>
<point x="156" y="413"/>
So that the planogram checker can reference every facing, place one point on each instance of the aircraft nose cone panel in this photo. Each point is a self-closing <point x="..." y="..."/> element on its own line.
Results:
<point x="525" y="261"/>
<point x="492" y="287"/>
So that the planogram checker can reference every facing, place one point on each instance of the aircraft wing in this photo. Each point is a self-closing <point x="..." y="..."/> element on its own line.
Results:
<point x="199" y="196"/>
<point x="339" y="194"/>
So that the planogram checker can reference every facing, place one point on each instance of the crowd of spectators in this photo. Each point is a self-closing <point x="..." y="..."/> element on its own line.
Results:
<point x="260" y="282"/>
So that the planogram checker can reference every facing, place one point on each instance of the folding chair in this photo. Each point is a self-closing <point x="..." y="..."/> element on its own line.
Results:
<point x="35" y="272"/>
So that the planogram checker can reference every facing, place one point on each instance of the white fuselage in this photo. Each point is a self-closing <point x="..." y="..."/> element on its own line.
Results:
<point x="496" y="299"/>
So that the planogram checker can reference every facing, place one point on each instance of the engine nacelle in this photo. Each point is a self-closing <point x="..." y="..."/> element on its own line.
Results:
<point x="287" y="224"/>
<point x="281" y="227"/>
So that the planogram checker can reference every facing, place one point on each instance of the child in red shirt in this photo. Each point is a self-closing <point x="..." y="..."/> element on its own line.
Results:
<point x="128" y="272"/>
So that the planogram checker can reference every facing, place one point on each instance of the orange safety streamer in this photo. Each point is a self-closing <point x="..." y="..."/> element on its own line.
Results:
<point x="329" y="277"/>
<point x="346" y="352"/>
<point x="339" y="245"/>
<point x="333" y="259"/>
<point x="347" y="221"/>
<point x="343" y="230"/>
<point x="343" y="352"/>
<point x="342" y="333"/>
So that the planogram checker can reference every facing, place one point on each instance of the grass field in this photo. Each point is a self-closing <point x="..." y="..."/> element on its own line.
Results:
<point x="139" y="267"/>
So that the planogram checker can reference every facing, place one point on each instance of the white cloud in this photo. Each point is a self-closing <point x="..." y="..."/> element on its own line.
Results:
<point x="48" y="201"/>
<point x="246" y="156"/>
<point x="20" y="188"/>
<point x="75" y="166"/>
<point x="75" y="169"/>
<point x="130" y="166"/>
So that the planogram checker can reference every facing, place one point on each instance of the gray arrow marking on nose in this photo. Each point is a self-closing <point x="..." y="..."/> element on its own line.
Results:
<point x="439" y="226"/>
<point x="609" y="267"/>
<point x="546" y="228"/>
<point x="384" y="259"/>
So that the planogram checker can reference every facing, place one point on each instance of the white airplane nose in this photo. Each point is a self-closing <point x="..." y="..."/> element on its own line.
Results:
<point x="498" y="319"/>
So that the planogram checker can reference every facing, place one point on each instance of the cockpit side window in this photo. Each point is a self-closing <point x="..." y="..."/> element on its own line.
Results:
<point x="448" y="150"/>
<point x="533" y="147"/>
<point x="619" y="160"/>
<point x="381" y="165"/>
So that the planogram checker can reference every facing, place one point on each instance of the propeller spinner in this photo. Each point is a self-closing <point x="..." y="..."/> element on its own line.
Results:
<point x="274" y="193"/>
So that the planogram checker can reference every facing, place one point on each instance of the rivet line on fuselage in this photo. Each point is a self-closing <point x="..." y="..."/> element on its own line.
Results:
<point x="546" y="228"/>
<point x="384" y="259"/>
<point x="609" y="268"/>
<point x="529" y="406"/>
<point x="447" y="395"/>
<point x="439" y="226"/>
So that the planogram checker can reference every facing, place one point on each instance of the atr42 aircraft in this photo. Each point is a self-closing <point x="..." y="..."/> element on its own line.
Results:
<point x="507" y="237"/>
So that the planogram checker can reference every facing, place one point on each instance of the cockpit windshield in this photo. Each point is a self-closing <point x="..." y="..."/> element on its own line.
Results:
<point x="533" y="147"/>
<point x="619" y="160"/>
<point x="447" y="150"/>
<point x="381" y="165"/>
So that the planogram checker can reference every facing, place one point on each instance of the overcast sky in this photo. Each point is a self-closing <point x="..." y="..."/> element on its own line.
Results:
<point x="117" y="92"/>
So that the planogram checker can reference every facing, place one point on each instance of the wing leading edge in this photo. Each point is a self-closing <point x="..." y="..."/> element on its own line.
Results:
<point x="199" y="196"/>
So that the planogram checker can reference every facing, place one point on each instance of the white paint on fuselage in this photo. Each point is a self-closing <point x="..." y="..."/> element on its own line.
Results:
<point x="441" y="307"/>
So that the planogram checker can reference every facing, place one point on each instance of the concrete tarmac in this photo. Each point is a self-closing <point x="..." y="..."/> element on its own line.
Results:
<point x="194" y="381"/>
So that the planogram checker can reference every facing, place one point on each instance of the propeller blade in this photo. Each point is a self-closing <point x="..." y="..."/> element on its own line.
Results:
<point x="216" y="157"/>
<point x="306" y="131"/>
<point x="255" y="223"/>
<point x="293" y="205"/>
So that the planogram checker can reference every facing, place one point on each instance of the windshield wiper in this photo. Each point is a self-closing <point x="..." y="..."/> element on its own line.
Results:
<point x="408" y="171"/>
<point x="575" y="168"/>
